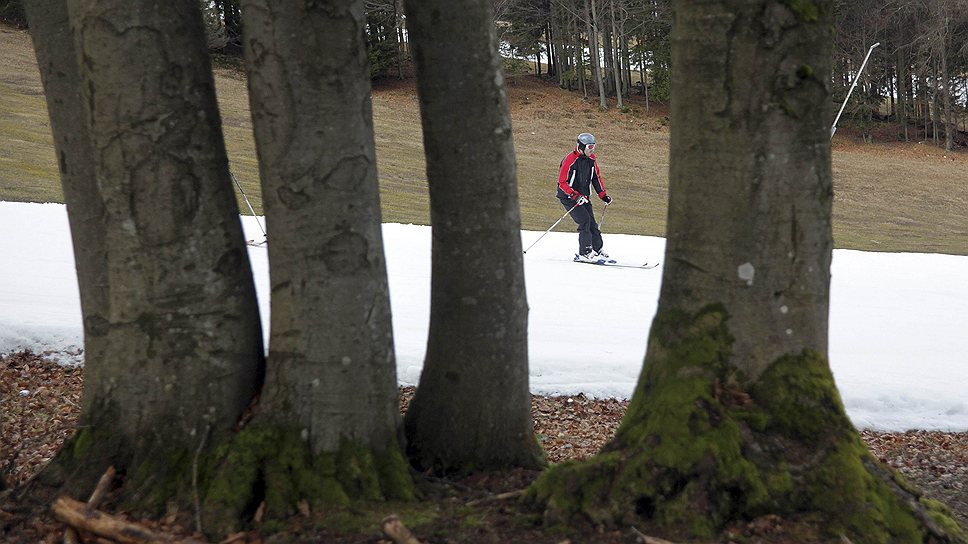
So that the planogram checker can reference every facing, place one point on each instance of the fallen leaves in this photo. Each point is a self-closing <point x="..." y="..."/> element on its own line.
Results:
<point x="40" y="403"/>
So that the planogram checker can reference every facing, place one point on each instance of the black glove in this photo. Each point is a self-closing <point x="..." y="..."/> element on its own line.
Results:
<point x="606" y="199"/>
<point x="578" y="198"/>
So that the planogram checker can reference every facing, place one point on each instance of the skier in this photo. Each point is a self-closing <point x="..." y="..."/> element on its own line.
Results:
<point x="577" y="175"/>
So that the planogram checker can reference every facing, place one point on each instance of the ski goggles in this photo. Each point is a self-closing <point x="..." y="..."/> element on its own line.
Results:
<point x="590" y="147"/>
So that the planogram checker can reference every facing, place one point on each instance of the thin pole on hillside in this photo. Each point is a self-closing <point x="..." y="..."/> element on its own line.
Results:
<point x="833" y="129"/>
<point x="239" y="185"/>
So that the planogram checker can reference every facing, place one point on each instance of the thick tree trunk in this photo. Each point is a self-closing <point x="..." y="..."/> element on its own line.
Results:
<point x="736" y="413"/>
<point x="56" y="57"/>
<point x="330" y="396"/>
<point x="179" y="345"/>
<point x="472" y="406"/>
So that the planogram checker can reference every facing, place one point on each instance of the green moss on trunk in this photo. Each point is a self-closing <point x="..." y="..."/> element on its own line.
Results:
<point x="701" y="446"/>
<point x="275" y="465"/>
<point x="261" y="463"/>
<point x="155" y="473"/>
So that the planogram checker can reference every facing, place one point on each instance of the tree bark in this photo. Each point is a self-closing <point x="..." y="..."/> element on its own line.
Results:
<point x="57" y="59"/>
<point x="331" y="389"/>
<point x="472" y="406"/>
<point x="179" y="345"/>
<point x="736" y="412"/>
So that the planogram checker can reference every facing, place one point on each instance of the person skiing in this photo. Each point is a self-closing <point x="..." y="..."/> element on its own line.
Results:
<point x="578" y="174"/>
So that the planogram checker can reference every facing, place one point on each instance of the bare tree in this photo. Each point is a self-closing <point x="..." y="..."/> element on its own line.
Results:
<point x="329" y="405"/>
<point x="174" y="352"/>
<point x="472" y="406"/>
<point x="736" y="412"/>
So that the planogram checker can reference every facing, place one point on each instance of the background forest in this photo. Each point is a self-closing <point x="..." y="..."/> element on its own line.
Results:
<point x="918" y="81"/>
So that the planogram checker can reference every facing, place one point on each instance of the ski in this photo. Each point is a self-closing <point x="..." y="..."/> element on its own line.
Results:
<point x="646" y="266"/>
<point x="613" y="262"/>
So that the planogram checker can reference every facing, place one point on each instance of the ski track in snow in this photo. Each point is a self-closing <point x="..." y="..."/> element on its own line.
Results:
<point x="898" y="321"/>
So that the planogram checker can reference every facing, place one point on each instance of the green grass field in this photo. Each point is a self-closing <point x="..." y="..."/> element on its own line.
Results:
<point x="889" y="196"/>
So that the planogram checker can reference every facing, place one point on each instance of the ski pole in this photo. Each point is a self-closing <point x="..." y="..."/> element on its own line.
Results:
<point x="239" y="185"/>
<point x="551" y="227"/>
<point x="602" y="220"/>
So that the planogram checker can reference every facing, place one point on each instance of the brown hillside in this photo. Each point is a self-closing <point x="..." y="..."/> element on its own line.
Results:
<point x="889" y="196"/>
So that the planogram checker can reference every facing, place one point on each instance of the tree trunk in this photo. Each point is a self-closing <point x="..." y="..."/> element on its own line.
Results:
<point x="56" y="58"/>
<point x="472" y="407"/>
<point x="595" y="58"/>
<point x="626" y="62"/>
<point x="179" y="346"/>
<point x="902" y="103"/>
<point x="552" y="49"/>
<point x="607" y="60"/>
<point x="933" y="108"/>
<point x="736" y="413"/>
<point x="579" y="59"/>
<point x="398" y="36"/>
<point x="616" y="63"/>
<point x="949" y="127"/>
<point x="330" y="397"/>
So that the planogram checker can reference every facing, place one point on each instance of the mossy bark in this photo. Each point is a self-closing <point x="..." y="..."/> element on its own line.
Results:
<point x="701" y="447"/>
<point x="276" y="466"/>
<point x="155" y="473"/>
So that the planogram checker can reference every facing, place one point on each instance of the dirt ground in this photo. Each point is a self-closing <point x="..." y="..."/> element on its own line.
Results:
<point x="40" y="402"/>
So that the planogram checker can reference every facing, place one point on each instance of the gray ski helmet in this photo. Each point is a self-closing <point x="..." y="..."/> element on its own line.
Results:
<point x="586" y="140"/>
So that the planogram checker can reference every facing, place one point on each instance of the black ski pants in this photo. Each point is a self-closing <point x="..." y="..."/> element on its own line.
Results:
<point x="589" y="237"/>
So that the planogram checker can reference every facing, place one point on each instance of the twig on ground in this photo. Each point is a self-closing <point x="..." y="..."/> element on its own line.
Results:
<point x="80" y="516"/>
<point x="397" y="531"/>
<point x="499" y="497"/>
<point x="70" y="534"/>
<point x="646" y="539"/>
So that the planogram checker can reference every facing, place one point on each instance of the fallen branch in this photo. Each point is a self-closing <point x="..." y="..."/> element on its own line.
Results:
<point x="101" y="488"/>
<point x="499" y="497"/>
<point x="646" y="539"/>
<point x="235" y="538"/>
<point x="397" y="531"/>
<point x="70" y="534"/>
<point x="80" y="516"/>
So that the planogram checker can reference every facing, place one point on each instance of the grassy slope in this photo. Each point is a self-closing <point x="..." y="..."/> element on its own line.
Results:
<point x="888" y="197"/>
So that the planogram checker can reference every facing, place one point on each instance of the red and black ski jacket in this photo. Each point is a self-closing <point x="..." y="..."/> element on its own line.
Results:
<point x="579" y="173"/>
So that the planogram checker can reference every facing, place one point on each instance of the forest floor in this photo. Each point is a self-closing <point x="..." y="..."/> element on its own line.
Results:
<point x="40" y="403"/>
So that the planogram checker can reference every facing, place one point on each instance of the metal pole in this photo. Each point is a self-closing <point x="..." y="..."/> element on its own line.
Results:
<point x="602" y="220"/>
<point x="239" y="185"/>
<point x="833" y="129"/>
<point x="551" y="227"/>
